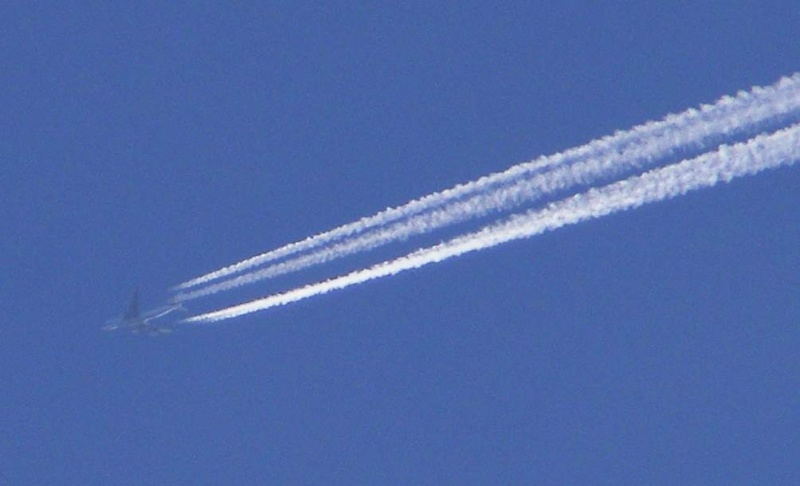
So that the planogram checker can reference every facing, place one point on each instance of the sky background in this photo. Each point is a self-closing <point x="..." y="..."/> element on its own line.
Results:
<point x="143" y="145"/>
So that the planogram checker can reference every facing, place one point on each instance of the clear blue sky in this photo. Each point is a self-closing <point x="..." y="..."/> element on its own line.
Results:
<point x="147" y="144"/>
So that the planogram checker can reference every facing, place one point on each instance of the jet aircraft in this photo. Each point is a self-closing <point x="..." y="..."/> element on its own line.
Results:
<point x="141" y="323"/>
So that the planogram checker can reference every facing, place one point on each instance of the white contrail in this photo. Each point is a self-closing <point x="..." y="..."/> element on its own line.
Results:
<point x="635" y="156"/>
<point x="693" y="127"/>
<point x="726" y="163"/>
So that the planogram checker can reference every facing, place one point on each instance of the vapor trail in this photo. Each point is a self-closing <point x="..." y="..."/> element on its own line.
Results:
<point x="745" y="110"/>
<point x="637" y="155"/>
<point x="724" y="164"/>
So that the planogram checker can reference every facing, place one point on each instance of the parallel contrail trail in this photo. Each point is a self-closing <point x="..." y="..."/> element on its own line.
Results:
<point x="693" y="127"/>
<point x="784" y="98"/>
<point x="724" y="164"/>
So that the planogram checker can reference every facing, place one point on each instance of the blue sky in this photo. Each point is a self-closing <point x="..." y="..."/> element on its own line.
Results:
<point x="145" y="145"/>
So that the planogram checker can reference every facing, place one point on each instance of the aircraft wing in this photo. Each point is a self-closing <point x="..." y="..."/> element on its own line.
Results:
<point x="161" y="311"/>
<point x="112" y="324"/>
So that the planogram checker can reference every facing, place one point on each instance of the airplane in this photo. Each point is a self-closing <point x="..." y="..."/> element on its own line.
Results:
<point x="140" y="323"/>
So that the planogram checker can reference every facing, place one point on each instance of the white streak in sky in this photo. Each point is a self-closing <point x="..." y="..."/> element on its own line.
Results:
<point x="727" y="162"/>
<point x="642" y="144"/>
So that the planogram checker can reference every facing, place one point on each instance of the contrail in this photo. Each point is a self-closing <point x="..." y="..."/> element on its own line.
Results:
<point x="729" y="115"/>
<point x="724" y="164"/>
<point x="636" y="155"/>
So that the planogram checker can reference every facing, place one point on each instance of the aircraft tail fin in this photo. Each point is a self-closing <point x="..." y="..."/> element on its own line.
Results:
<point x="133" y="307"/>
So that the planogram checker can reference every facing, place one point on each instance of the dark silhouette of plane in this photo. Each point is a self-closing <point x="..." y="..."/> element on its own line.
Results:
<point x="141" y="323"/>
